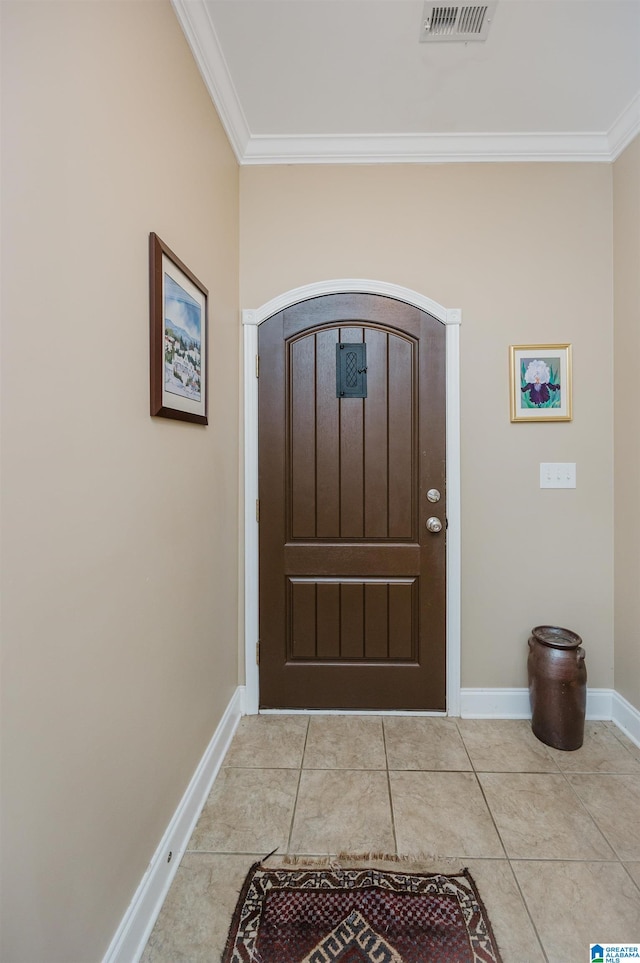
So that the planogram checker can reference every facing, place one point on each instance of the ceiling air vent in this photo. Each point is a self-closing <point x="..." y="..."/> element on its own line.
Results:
<point x="456" y="22"/>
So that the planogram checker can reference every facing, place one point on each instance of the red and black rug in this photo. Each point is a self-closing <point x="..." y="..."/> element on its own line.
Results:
<point x="337" y="915"/>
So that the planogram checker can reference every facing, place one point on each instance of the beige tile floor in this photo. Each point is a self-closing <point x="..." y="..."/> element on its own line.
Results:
<point x="551" y="838"/>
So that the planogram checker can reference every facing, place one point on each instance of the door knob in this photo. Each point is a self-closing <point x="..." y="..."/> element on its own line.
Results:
<point x="434" y="525"/>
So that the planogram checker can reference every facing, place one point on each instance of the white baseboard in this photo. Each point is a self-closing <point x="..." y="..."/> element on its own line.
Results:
<point x="501" y="703"/>
<point x="599" y="703"/>
<point x="514" y="704"/>
<point x="627" y="717"/>
<point x="494" y="704"/>
<point x="131" y="936"/>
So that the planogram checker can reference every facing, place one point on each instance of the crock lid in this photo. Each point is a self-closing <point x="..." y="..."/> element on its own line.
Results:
<point x="556" y="637"/>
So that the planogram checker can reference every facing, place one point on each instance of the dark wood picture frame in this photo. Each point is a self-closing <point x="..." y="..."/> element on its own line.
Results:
<point x="178" y="337"/>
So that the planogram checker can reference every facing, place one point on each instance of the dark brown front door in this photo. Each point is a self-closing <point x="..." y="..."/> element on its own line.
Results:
<point x="352" y="583"/>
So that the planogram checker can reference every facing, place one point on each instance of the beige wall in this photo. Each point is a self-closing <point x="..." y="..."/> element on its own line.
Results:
<point x="120" y="537"/>
<point x="626" y="236"/>
<point x="119" y="532"/>
<point x="526" y="252"/>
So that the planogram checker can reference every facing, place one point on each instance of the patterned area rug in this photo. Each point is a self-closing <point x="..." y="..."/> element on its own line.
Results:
<point x="359" y="915"/>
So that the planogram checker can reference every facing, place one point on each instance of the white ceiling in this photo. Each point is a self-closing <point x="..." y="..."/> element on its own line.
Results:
<point x="313" y="81"/>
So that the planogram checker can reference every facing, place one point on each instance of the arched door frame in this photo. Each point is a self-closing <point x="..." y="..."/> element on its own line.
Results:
<point x="450" y="317"/>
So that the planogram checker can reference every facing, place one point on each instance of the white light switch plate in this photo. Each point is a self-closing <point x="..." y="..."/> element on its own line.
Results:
<point x="557" y="474"/>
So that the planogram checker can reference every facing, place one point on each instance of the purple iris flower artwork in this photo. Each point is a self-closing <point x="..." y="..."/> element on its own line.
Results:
<point x="539" y="385"/>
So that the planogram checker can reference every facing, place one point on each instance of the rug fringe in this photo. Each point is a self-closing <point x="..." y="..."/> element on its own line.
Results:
<point x="418" y="862"/>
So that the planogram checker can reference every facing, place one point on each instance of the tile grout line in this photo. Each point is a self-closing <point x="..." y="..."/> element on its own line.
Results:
<point x="617" y="732"/>
<point x="635" y="882"/>
<point x="295" y="802"/>
<point x="480" y="786"/>
<point x="458" y="858"/>
<point x="495" y="825"/>
<point x="528" y="911"/>
<point x="502" y="843"/>
<point x="617" y="858"/>
<point x="464" y="745"/>
<point x="393" y="817"/>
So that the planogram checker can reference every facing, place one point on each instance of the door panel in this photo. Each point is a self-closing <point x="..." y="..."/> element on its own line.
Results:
<point x="376" y="435"/>
<point x="327" y="437"/>
<point x="302" y="439"/>
<point x="352" y="589"/>
<point x="402" y="459"/>
<point x="352" y="620"/>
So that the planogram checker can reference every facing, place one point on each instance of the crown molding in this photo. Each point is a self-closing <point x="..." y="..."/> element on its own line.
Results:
<point x="625" y="129"/>
<point x="197" y="26"/>
<point x="436" y="148"/>
<point x="425" y="148"/>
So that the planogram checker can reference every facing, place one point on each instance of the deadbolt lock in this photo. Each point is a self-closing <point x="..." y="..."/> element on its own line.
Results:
<point x="434" y="525"/>
<point x="433" y="495"/>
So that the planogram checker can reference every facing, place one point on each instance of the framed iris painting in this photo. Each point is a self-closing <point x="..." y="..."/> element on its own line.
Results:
<point x="540" y="382"/>
<point x="178" y="337"/>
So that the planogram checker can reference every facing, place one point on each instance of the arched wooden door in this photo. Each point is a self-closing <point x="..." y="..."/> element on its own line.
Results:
<point x="352" y="582"/>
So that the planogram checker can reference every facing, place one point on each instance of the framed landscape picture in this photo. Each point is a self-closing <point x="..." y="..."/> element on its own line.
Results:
<point x="178" y="337"/>
<point x="540" y="382"/>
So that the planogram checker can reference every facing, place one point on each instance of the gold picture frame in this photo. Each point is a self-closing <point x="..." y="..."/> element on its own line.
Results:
<point x="540" y="385"/>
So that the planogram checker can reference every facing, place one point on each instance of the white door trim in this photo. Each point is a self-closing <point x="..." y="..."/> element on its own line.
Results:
<point x="250" y="320"/>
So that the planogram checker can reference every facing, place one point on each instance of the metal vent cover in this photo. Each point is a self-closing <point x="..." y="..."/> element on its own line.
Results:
<point x="455" y="22"/>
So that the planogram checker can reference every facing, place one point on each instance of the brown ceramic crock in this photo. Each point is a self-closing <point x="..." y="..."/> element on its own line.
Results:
<point x="557" y="686"/>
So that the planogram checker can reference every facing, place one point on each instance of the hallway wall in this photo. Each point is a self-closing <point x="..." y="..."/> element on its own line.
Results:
<point x="626" y="236"/>
<point x="525" y="250"/>
<point x="119" y="531"/>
